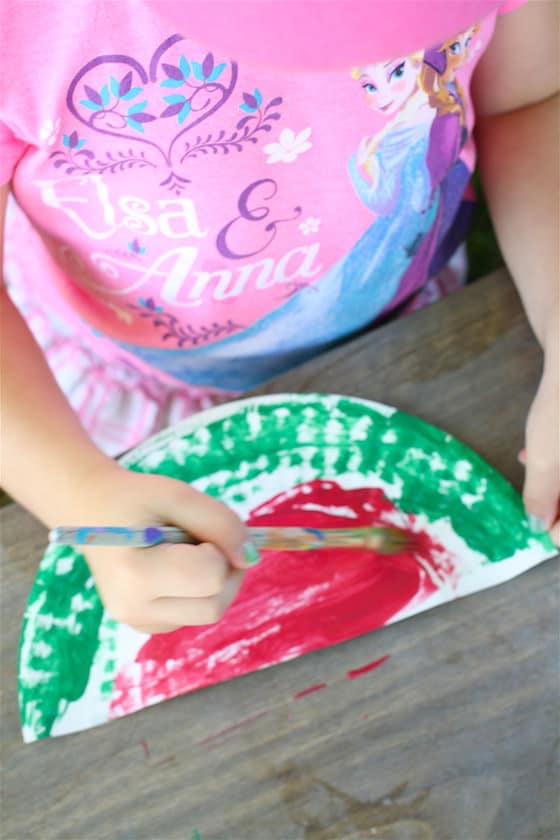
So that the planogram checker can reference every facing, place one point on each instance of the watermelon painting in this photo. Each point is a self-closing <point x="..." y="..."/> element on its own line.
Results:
<point x="313" y="460"/>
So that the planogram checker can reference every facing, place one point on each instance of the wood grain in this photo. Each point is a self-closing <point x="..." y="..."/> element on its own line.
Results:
<point x="453" y="737"/>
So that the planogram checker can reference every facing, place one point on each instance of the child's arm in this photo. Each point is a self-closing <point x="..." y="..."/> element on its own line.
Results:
<point x="516" y="92"/>
<point x="51" y="466"/>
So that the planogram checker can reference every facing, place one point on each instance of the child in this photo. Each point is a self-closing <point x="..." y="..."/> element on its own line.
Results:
<point x="209" y="193"/>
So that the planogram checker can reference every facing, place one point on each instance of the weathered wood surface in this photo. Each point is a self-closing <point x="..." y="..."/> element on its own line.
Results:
<point x="453" y="737"/>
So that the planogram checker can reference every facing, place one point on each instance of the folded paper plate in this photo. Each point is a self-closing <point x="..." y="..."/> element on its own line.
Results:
<point x="311" y="459"/>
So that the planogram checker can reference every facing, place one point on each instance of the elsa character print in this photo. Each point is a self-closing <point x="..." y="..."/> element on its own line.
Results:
<point x="415" y="162"/>
<point x="390" y="175"/>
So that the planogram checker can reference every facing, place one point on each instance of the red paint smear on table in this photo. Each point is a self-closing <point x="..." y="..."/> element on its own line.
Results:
<point x="310" y="690"/>
<point x="292" y="603"/>
<point x="223" y="733"/>
<point x="365" y="669"/>
<point x="169" y="760"/>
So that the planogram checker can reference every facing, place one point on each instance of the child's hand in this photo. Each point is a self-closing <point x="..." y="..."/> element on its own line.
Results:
<point x="542" y="455"/>
<point x="164" y="587"/>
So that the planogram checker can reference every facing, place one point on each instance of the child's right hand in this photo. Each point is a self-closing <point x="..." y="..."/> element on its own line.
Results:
<point x="158" y="589"/>
<point x="50" y="465"/>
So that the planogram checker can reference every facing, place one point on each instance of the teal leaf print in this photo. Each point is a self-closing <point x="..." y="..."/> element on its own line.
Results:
<point x="135" y="125"/>
<point x="197" y="71"/>
<point x="93" y="106"/>
<point x="149" y="303"/>
<point x="251" y="101"/>
<point x="178" y="105"/>
<point x="123" y="89"/>
<point x="72" y="141"/>
<point x="216" y="72"/>
<point x="206" y="71"/>
<point x="176" y="76"/>
<point x="135" y="109"/>
<point x="185" y="111"/>
<point x="185" y="67"/>
<point x="175" y="97"/>
<point x="136" y="248"/>
<point x="114" y="85"/>
<point x="172" y="83"/>
<point x="133" y="92"/>
<point x="105" y="95"/>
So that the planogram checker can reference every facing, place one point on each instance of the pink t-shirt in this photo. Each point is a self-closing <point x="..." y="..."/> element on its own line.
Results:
<point x="225" y="189"/>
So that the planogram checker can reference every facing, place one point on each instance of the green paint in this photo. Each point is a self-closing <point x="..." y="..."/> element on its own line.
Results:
<point x="196" y="835"/>
<point x="51" y="664"/>
<point x="65" y="630"/>
<point x="495" y="524"/>
<point x="251" y="554"/>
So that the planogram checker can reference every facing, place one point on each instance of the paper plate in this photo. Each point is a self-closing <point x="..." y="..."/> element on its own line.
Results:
<point x="288" y="459"/>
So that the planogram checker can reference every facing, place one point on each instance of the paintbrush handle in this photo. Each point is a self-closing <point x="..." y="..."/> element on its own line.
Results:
<point x="265" y="538"/>
<point x="116" y="536"/>
<point x="301" y="539"/>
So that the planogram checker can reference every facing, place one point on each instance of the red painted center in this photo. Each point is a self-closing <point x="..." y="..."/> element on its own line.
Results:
<point x="291" y="603"/>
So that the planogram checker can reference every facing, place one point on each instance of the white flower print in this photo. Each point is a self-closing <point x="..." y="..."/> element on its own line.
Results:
<point x="288" y="146"/>
<point x="310" y="225"/>
<point x="49" y="131"/>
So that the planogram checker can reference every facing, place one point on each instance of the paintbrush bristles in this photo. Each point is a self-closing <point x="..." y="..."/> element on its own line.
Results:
<point x="390" y="540"/>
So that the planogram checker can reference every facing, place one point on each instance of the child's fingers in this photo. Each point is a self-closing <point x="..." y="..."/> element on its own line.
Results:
<point x="210" y="521"/>
<point x="542" y="486"/>
<point x="541" y="491"/>
<point x="133" y="585"/>
<point x="180" y="612"/>
<point x="542" y="474"/>
<point x="182" y="571"/>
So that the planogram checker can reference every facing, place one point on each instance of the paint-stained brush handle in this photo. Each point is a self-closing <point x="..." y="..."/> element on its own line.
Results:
<point x="385" y="540"/>
<point x="116" y="536"/>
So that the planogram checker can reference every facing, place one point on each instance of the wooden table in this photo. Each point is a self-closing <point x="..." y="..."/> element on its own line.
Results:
<point x="453" y="737"/>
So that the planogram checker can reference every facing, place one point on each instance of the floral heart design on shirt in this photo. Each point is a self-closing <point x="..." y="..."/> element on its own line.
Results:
<point x="182" y="87"/>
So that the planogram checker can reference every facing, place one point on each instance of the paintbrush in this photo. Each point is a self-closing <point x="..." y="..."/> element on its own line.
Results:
<point x="382" y="539"/>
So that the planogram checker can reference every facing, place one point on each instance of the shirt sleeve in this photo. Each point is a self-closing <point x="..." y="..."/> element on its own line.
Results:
<point x="510" y="5"/>
<point x="11" y="150"/>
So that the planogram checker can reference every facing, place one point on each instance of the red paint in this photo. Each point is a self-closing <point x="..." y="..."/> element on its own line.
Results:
<point x="146" y="748"/>
<point x="365" y="669"/>
<point x="291" y="603"/>
<point x="169" y="760"/>
<point x="310" y="690"/>
<point x="229" y="729"/>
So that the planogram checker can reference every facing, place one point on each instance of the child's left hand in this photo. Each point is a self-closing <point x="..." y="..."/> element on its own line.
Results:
<point x="541" y="456"/>
<point x="517" y="96"/>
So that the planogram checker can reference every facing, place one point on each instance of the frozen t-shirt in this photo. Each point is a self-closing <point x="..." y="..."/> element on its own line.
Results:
<point x="222" y="218"/>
